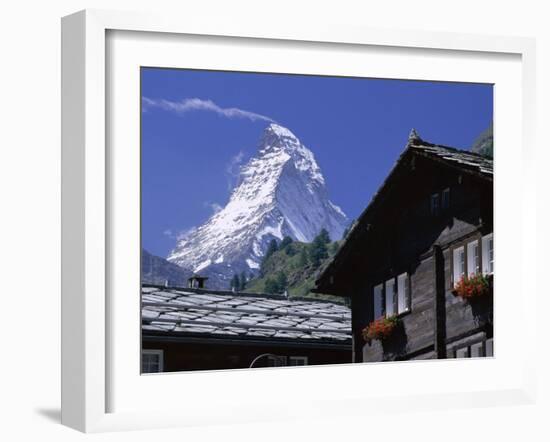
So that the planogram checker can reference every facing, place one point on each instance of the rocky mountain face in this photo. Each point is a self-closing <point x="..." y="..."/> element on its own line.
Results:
<point x="484" y="143"/>
<point x="280" y="192"/>
<point x="157" y="270"/>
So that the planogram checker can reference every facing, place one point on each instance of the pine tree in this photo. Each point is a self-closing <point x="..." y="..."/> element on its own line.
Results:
<point x="290" y="250"/>
<point x="235" y="284"/>
<point x="302" y="259"/>
<point x="271" y="286"/>
<point x="242" y="281"/>
<point x="282" y="282"/>
<point x="271" y="249"/>
<point x="287" y="240"/>
<point x="318" y="249"/>
<point x="324" y="236"/>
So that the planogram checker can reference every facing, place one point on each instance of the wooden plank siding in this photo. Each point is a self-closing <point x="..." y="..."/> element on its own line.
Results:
<point x="402" y="236"/>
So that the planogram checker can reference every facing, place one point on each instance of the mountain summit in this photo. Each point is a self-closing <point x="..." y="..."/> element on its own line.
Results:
<point x="280" y="192"/>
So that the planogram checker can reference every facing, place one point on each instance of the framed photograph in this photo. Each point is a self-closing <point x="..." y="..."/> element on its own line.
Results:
<point x="262" y="222"/>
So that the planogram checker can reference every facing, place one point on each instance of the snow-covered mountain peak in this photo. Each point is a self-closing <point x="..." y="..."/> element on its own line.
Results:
<point x="280" y="131"/>
<point x="280" y="192"/>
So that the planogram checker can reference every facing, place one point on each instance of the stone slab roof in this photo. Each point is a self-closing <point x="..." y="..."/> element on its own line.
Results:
<point x="460" y="158"/>
<point x="207" y="313"/>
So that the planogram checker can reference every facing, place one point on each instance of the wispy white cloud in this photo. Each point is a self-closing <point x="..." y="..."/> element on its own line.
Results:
<point x="197" y="104"/>
<point x="215" y="207"/>
<point x="179" y="235"/>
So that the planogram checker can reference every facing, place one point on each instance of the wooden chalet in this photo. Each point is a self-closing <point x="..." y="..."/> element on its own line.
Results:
<point x="200" y="329"/>
<point x="429" y="225"/>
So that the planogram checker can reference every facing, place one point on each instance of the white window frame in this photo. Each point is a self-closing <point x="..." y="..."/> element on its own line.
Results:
<point x="150" y="352"/>
<point x="277" y="361"/>
<point x="489" y="348"/>
<point x="488" y="254"/>
<point x="446" y="198"/>
<point x="293" y="359"/>
<point x="460" y="351"/>
<point x="480" y="346"/>
<point x="403" y="293"/>
<point x="473" y="264"/>
<point x="459" y="266"/>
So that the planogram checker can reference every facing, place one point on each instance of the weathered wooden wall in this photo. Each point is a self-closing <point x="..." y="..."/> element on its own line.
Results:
<point x="401" y="238"/>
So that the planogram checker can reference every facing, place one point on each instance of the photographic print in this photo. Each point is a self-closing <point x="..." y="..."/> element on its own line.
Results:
<point x="293" y="220"/>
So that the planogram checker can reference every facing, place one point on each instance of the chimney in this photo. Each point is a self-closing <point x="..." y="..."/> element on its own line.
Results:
<point x="196" y="282"/>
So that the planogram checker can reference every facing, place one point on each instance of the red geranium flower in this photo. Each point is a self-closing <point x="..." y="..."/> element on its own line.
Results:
<point x="380" y="329"/>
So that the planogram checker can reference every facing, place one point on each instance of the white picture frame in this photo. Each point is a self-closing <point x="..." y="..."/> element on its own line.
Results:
<point x="87" y="355"/>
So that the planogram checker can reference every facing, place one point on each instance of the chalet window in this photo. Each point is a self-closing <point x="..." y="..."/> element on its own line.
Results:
<point x="378" y="298"/>
<point x="487" y="253"/>
<point x="295" y="361"/>
<point x="489" y="347"/>
<point x="390" y="297"/>
<point x="458" y="264"/>
<point x="403" y="298"/>
<point x="473" y="257"/>
<point x="276" y="361"/>
<point x="434" y="204"/>
<point x="476" y="350"/>
<point x="152" y="361"/>
<point x="446" y="198"/>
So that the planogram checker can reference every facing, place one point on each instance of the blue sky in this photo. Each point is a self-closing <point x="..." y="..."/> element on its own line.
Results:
<point x="199" y="126"/>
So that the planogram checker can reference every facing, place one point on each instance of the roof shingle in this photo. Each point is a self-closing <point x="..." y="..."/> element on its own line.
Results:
<point x="199" y="311"/>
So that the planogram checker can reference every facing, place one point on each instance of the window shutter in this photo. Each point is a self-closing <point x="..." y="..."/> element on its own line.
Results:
<point x="446" y="198"/>
<point x="403" y="296"/>
<point x="487" y="253"/>
<point x="378" y="301"/>
<point x="489" y="347"/>
<point x="477" y="350"/>
<point x="462" y="352"/>
<point x="390" y="297"/>
<point x="458" y="264"/>
<point x="473" y="257"/>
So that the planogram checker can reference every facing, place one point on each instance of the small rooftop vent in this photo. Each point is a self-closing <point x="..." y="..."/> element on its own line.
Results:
<point x="196" y="282"/>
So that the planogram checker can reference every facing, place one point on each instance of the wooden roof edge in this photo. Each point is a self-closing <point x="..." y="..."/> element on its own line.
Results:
<point x="413" y="145"/>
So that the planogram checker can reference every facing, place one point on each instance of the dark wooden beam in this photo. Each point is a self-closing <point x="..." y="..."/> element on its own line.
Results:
<point x="440" y="332"/>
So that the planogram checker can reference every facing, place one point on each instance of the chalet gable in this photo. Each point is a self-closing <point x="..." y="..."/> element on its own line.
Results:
<point x="442" y="159"/>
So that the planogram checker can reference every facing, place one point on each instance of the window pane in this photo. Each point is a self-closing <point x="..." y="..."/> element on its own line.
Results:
<point x="378" y="301"/>
<point x="477" y="350"/>
<point x="487" y="253"/>
<point x="446" y="198"/>
<point x="276" y="361"/>
<point x="489" y="347"/>
<point x="297" y="360"/>
<point x="402" y="293"/>
<point x="458" y="264"/>
<point x="473" y="257"/>
<point x="390" y="297"/>
<point x="462" y="352"/>
<point x="434" y="204"/>
<point x="151" y="361"/>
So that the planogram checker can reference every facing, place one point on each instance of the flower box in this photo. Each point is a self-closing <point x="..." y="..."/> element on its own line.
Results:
<point x="380" y="329"/>
<point x="474" y="287"/>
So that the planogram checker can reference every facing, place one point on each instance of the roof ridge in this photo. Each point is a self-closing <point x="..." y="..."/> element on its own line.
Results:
<point x="454" y="149"/>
